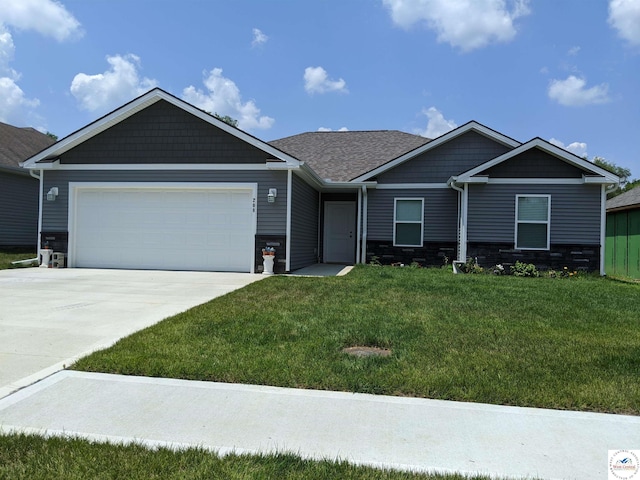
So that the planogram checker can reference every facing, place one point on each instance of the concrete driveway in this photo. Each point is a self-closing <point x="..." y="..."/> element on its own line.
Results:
<point x="51" y="317"/>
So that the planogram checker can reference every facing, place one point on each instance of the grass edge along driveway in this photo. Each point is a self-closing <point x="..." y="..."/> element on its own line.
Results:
<point x="561" y="343"/>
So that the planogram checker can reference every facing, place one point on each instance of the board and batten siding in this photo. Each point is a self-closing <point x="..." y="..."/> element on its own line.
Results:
<point x="440" y="213"/>
<point x="452" y="158"/>
<point x="575" y="212"/>
<point x="19" y="209"/>
<point x="271" y="216"/>
<point x="304" y="224"/>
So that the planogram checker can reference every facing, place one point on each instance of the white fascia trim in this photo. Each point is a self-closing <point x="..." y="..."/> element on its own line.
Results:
<point x="547" y="147"/>
<point x="139" y="104"/>
<point x="535" y="181"/>
<point x="164" y="166"/>
<point x="410" y="186"/>
<point x="475" y="126"/>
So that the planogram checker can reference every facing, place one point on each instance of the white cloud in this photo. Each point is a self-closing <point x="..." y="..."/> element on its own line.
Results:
<point x="47" y="17"/>
<point x="259" y="38"/>
<point x="15" y="108"/>
<point x="223" y="97"/>
<point x="316" y="80"/>
<point x="573" y="51"/>
<point x="112" y="88"/>
<point x="325" y="129"/>
<point x="464" y="24"/>
<point x="572" y="92"/>
<point x="437" y="124"/>
<point x="624" y="16"/>
<point x="577" y="148"/>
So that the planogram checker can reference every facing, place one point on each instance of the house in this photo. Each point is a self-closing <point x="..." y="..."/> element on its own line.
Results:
<point x="623" y="234"/>
<point x="18" y="190"/>
<point x="159" y="183"/>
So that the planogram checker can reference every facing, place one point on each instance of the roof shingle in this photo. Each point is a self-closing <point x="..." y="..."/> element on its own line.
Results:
<point x="17" y="144"/>
<point x="343" y="156"/>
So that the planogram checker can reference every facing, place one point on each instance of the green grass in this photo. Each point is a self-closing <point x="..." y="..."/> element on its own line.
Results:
<point x="557" y="343"/>
<point x="32" y="457"/>
<point x="8" y="255"/>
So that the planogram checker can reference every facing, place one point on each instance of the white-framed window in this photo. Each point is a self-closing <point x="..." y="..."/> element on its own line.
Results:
<point x="408" y="222"/>
<point x="533" y="218"/>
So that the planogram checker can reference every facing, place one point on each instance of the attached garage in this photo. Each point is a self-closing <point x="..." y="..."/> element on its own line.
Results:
<point x="172" y="226"/>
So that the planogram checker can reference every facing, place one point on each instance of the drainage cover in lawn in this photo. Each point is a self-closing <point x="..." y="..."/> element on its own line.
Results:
<point x="359" y="351"/>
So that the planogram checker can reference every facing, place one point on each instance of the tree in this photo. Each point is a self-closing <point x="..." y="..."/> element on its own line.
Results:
<point x="227" y="119"/>
<point x="623" y="173"/>
<point x="52" y="135"/>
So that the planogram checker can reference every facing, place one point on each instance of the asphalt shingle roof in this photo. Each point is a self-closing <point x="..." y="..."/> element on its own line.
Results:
<point x="343" y="156"/>
<point x="625" y="200"/>
<point x="17" y="144"/>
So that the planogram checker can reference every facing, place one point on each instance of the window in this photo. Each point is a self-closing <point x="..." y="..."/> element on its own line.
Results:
<point x="408" y="222"/>
<point x="532" y="221"/>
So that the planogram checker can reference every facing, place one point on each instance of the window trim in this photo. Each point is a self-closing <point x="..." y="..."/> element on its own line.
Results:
<point x="536" y="222"/>
<point x="396" y="222"/>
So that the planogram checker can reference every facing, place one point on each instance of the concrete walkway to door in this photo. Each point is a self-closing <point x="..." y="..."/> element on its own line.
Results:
<point x="51" y="317"/>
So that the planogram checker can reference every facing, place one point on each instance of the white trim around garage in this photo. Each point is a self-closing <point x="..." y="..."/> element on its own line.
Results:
<point x="76" y="187"/>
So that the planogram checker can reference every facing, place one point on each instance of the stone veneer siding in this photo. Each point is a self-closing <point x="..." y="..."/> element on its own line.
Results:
<point x="574" y="257"/>
<point x="431" y="254"/>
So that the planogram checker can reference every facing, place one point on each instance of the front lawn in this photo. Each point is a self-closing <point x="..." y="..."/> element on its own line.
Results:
<point x="564" y="343"/>
<point x="30" y="457"/>
<point x="8" y="255"/>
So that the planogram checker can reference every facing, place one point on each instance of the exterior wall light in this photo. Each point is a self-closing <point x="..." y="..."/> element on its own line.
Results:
<point x="52" y="194"/>
<point x="273" y="193"/>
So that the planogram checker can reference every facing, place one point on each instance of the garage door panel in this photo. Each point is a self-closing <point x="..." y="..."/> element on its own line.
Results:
<point x="186" y="229"/>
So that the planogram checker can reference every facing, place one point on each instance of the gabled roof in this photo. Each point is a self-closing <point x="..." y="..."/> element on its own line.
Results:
<point x="624" y="201"/>
<point x="562" y="154"/>
<point x="18" y="144"/>
<point x="467" y="127"/>
<point x="139" y="104"/>
<point x="342" y="156"/>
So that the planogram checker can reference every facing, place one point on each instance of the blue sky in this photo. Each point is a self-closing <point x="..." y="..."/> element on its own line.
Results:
<point x="564" y="70"/>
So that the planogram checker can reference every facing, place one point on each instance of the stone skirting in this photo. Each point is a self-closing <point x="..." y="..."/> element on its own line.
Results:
<point x="431" y="254"/>
<point x="574" y="257"/>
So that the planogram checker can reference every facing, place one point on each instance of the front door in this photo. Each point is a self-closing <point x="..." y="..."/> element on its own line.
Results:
<point x="339" y="232"/>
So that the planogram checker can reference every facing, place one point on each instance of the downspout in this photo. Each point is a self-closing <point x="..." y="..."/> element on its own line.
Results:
<point x="287" y="266"/>
<point x="358" y="222"/>
<point x="462" y="221"/>
<point x="39" y="177"/>
<point x="365" y="217"/>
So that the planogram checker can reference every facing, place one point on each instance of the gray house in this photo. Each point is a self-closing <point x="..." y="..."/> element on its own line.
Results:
<point x="160" y="184"/>
<point x="18" y="189"/>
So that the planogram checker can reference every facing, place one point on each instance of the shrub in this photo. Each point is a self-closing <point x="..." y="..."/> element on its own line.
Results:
<point x="521" y="269"/>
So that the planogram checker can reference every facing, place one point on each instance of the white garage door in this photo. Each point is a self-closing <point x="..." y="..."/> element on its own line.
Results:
<point x="209" y="229"/>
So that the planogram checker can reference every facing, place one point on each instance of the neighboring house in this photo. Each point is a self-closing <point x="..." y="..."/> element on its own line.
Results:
<point x="18" y="189"/>
<point x="623" y="234"/>
<point x="159" y="183"/>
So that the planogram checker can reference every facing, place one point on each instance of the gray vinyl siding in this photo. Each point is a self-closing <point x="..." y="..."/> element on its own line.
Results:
<point x="304" y="224"/>
<point x="163" y="133"/>
<point x="452" y="158"/>
<point x="575" y="212"/>
<point x="534" y="163"/>
<point x="18" y="209"/>
<point x="271" y="216"/>
<point x="440" y="213"/>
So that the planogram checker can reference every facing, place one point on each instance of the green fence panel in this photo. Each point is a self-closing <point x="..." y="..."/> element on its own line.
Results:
<point x="633" y="244"/>
<point x="621" y="260"/>
<point x="609" y="245"/>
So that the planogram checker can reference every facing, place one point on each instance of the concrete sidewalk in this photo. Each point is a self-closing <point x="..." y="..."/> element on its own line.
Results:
<point x="397" y="432"/>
